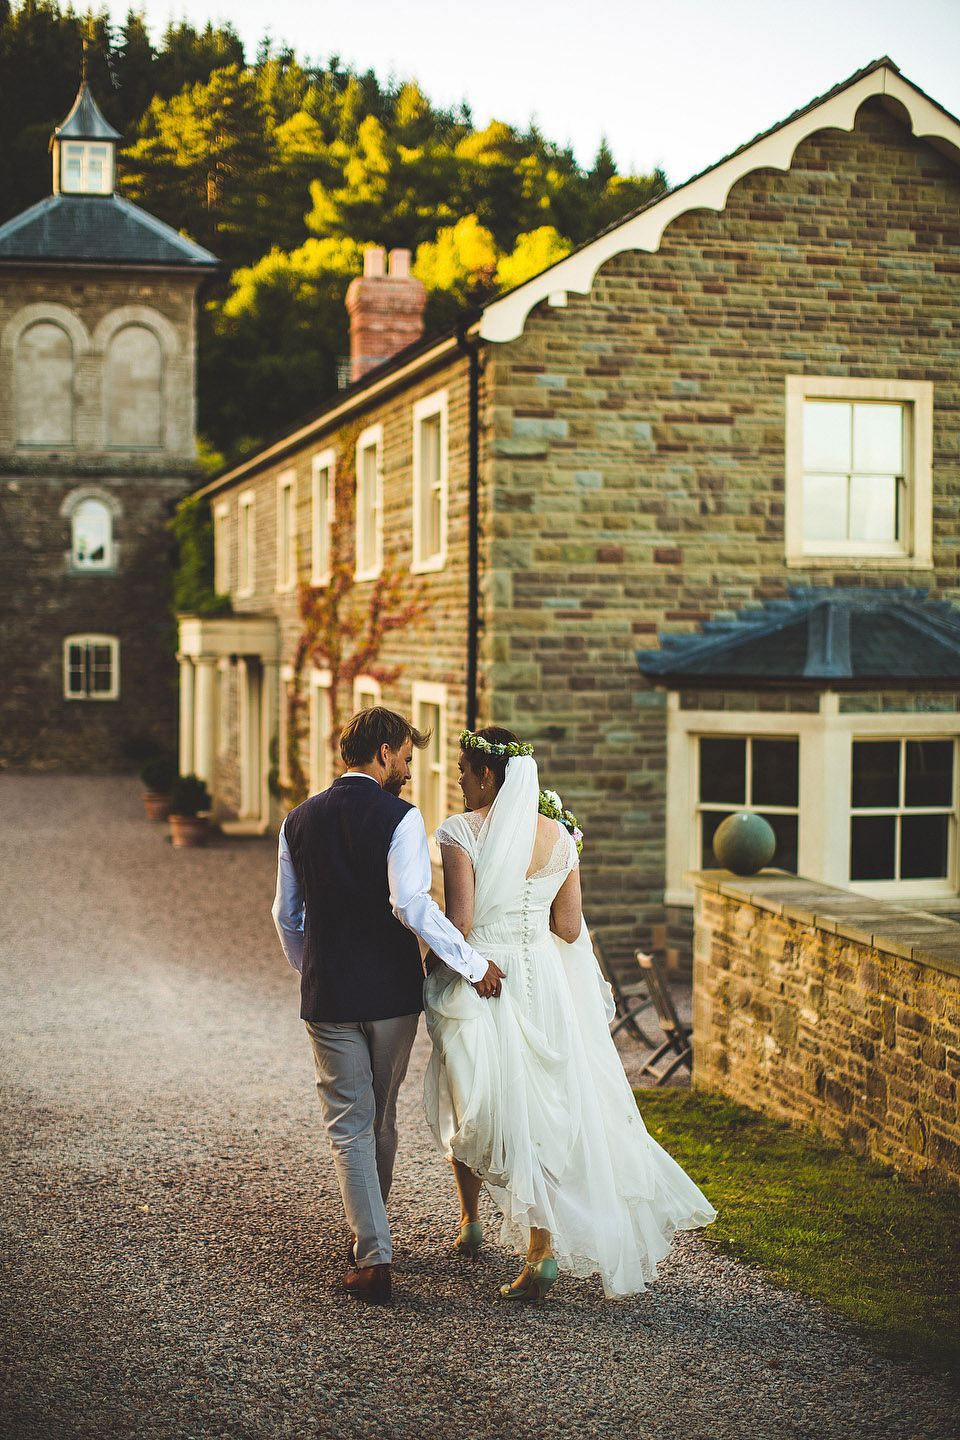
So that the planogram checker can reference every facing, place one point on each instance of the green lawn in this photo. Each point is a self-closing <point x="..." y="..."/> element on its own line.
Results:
<point x="872" y="1246"/>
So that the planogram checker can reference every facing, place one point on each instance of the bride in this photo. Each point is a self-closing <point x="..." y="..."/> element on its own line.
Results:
<point x="525" y="1092"/>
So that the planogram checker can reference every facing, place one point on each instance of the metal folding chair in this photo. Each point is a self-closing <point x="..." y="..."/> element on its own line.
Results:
<point x="629" y="1000"/>
<point x="676" y="1045"/>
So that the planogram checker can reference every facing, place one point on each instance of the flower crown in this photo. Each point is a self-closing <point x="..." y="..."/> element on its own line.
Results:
<point x="470" y="741"/>
<point x="551" y="805"/>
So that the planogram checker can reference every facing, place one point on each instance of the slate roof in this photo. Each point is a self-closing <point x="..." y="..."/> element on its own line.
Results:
<point x="96" y="230"/>
<point x="85" y="121"/>
<point x="819" y="636"/>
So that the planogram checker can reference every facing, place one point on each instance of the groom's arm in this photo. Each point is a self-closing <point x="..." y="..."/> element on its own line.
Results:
<point x="410" y="877"/>
<point x="288" y="914"/>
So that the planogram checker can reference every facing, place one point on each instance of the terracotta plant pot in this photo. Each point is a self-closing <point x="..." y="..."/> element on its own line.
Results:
<point x="156" y="806"/>
<point x="188" y="829"/>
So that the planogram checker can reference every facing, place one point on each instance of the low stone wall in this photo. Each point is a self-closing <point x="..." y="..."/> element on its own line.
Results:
<point x="818" y="1006"/>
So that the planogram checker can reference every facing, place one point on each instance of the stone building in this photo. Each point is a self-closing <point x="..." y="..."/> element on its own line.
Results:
<point x="97" y="443"/>
<point x="682" y="510"/>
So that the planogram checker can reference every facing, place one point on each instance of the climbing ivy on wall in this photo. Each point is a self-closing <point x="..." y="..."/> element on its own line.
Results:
<point x="344" y="624"/>
<point x="193" y="588"/>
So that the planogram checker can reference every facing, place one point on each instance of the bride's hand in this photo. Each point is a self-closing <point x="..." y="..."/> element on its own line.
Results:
<point x="489" y="984"/>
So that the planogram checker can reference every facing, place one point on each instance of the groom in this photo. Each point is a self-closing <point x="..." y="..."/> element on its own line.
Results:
<point x="353" y="892"/>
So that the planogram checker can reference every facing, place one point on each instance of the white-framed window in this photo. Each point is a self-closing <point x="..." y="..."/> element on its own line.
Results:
<point x="865" y="801"/>
<point x="759" y="773"/>
<point x="286" y="530"/>
<point x="859" y="470"/>
<point x="86" y="168"/>
<point x="221" y="548"/>
<point x="429" y="765"/>
<point x="91" y="526"/>
<point x="366" y="693"/>
<point x="903" y="808"/>
<point x="91" y="667"/>
<point x="369" y="507"/>
<point x="323" y="510"/>
<point x="430" y="482"/>
<point x="246" y="544"/>
<point x="321" y="757"/>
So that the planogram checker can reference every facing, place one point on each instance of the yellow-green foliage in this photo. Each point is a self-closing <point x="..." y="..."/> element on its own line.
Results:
<point x="286" y="171"/>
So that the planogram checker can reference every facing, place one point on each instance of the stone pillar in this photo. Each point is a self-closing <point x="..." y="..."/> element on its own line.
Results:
<point x="270" y="701"/>
<point x="187" y="719"/>
<point x="205" y="716"/>
<point x="248" y="763"/>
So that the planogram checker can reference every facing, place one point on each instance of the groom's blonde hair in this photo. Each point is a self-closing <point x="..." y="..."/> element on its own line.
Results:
<point x="365" y="732"/>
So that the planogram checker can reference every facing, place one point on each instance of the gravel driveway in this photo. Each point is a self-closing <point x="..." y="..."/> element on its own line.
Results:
<point x="173" y="1238"/>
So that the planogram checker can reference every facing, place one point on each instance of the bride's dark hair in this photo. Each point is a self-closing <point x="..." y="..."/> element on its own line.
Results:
<point x="480" y="760"/>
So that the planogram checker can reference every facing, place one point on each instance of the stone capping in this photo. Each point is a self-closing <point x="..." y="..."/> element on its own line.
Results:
<point x="910" y="933"/>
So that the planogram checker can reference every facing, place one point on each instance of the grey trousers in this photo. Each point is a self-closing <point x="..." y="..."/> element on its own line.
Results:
<point x="359" y="1069"/>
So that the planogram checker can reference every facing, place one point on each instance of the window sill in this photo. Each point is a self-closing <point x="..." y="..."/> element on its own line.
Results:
<point x="678" y="895"/>
<point x="902" y="891"/>
<point x="428" y="567"/>
<point x="858" y="561"/>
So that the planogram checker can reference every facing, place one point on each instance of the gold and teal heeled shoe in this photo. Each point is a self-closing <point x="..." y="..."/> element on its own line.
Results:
<point x="543" y="1277"/>
<point x="533" y="1282"/>
<point x="469" y="1240"/>
<point x="518" y="1289"/>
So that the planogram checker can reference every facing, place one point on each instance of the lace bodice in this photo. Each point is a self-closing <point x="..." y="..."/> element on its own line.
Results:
<point x="559" y="863"/>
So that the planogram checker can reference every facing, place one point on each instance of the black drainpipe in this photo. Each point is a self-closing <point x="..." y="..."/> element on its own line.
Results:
<point x="472" y="352"/>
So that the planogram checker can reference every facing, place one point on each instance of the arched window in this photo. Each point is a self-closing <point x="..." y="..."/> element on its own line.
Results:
<point x="92" y="525"/>
<point x="134" y="389"/>
<point x="44" y="386"/>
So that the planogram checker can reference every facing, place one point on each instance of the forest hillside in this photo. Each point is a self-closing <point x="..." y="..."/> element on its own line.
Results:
<point x="287" y="169"/>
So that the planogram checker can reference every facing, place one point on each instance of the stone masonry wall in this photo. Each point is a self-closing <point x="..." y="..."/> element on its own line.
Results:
<point x="43" y="597"/>
<point x="99" y="302"/>
<point x="433" y="647"/>
<point x="817" y="1006"/>
<point x="634" y="461"/>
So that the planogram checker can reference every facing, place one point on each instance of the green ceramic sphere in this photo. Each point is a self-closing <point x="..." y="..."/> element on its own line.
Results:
<point x="744" y="843"/>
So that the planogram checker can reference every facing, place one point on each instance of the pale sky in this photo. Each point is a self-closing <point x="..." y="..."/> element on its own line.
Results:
<point x="678" y="83"/>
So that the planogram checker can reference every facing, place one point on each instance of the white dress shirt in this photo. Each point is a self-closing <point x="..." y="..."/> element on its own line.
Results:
<point x="409" y="878"/>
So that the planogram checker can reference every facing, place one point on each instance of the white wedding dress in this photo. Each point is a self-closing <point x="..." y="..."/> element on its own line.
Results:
<point x="528" y="1089"/>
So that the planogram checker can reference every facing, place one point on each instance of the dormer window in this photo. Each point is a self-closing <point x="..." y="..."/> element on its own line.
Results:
<point x="86" y="169"/>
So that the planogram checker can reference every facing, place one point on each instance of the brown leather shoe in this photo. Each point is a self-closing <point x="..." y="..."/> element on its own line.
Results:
<point x="372" y="1284"/>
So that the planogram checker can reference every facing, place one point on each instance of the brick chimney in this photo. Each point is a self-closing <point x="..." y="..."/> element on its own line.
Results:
<point x="385" y="309"/>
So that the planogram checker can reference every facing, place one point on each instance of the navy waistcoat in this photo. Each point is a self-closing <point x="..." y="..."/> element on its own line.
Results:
<point x="359" y="961"/>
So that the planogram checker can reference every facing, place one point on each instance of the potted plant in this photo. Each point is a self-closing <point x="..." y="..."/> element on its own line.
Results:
<point x="158" y="774"/>
<point x="189" y="801"/>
